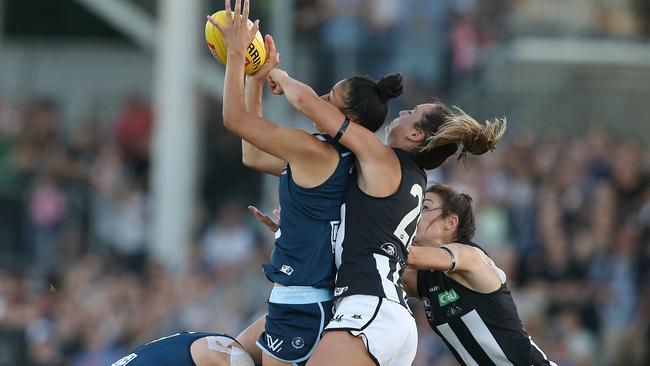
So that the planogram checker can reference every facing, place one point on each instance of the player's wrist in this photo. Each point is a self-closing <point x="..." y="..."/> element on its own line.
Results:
<point x="254" y="81"/>
<point x="235" y="54"/>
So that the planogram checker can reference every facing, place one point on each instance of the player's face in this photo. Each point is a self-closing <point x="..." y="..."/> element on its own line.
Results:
<point x="336" y="97"/>
<point x="431" y="228"/>
<point x="402" y="129"/>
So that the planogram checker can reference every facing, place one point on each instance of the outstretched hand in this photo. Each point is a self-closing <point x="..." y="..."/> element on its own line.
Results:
<point x="265" y="219"/>
<point x="272" y="60"/>
<point x="236" y="33"/>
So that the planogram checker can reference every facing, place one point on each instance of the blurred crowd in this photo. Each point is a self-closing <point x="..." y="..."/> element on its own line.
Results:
<point x="442" y="44"/>
<point x="567" y="217"/>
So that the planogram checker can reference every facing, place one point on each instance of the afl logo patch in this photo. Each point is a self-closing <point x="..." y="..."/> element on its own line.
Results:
<point x="286" y="270"/>
<point x="298" y="343"/>
<point x="389" y="249"/>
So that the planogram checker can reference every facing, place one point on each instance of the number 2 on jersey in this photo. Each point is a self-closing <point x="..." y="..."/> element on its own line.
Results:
<point x="413" y="215"/>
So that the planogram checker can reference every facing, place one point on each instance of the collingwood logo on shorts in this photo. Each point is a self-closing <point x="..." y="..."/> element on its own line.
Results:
<point x="298" y="343"/>
<point x="274" y="344"/>
<point x="339" y="290"/>
<point x="286" y="270"/>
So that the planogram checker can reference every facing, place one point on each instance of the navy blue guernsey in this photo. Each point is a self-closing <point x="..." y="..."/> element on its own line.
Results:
<point x="173" y="350"/>
<point x="304" y="247"/>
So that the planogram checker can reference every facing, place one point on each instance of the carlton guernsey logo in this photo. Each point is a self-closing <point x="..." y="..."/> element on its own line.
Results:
<point x="447" y="297"/>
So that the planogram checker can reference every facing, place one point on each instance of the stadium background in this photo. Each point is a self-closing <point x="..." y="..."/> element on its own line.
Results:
<point x="117" y="227"/>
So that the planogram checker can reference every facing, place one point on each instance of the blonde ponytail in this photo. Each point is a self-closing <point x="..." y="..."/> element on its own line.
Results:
<point x="472" y="137"/>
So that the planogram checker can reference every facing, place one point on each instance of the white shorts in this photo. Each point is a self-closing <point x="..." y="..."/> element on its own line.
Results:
<point x="386" y="327"/>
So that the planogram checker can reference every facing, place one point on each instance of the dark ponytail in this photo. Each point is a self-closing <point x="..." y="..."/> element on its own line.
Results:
<point x="366" y="101"/>
<point x="459" y="204"/>
<point x="389" y="87"/>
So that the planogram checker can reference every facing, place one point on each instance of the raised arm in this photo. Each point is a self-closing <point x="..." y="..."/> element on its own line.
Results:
<point x="378" y="164"/>
<point x="253" y="157"/>
<point x="304" y="152"/>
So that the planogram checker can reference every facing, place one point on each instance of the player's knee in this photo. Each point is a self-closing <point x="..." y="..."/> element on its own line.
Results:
<point x="219" y="351"/>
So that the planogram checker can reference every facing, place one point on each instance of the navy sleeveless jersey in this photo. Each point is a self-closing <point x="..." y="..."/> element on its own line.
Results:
<point x="173" y="350"/>
<point x="304" y="247"/>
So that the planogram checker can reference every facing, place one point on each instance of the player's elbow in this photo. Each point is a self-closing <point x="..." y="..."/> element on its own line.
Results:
<point x="233" y="119"/>
<point x="230" y="119"/>
<point x="249" y="161"/>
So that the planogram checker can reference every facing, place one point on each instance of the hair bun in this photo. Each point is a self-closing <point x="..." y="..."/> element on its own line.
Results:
<point x="390" y="86"/>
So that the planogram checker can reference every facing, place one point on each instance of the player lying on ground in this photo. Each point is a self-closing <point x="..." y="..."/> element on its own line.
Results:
<point x="314" y="172"/>
<point x="465" y="297"/>
<point x="189" y="349"/>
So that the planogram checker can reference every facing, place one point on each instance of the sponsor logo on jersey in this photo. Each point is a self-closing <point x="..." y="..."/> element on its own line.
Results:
<point x="453" y="310"/>
<point x="286" y="270"/>
<point x="274" y="344"/>
<point x="389" y="249"/>
<point x="125" y="360"/>
<point x="447" y="297"/>
<point x="298" y="343"/>
<point x="434" y="288"/>
<point x="338" y="318"/>
<point x="339" y="290"/>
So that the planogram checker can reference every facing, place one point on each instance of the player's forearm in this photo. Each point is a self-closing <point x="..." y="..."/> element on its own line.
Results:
<point x="302" y="97"/>
<point x="233" y="96"/>
<point x="296" y="92"/>
<point x="253" y="96"/>
<point x="253" y="157"/>
<point x="428" y="258"/>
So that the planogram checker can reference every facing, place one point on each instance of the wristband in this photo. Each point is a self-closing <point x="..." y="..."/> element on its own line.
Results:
<point x="452" y="257"/>
<point x="344" y="127"/>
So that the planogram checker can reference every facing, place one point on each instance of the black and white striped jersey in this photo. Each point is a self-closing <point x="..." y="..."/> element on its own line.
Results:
<point x="479" y="329"/>
<point x="374" y="235"/>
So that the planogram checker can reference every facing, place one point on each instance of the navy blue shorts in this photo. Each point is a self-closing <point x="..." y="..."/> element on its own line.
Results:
<point x="293" y="331"/>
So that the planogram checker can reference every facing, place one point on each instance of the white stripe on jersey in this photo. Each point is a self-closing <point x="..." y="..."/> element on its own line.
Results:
<point x="540" y="351"/>
<point x="389" y="284"/>
<point x="451" y="338"/>
<point x="340" y="235"/>
<point x="484" y="338"/>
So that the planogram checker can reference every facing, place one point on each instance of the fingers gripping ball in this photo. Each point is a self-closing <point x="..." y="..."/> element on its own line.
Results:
<point x="255" y="53"/>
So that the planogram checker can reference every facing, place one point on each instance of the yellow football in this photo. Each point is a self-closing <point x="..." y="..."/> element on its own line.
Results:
<point x="255" y="54"/>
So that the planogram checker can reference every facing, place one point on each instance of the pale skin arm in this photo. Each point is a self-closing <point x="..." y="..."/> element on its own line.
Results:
<point x="253" y="157"/>
<point x="312" y="161"/>
<point x="410" y="282"/>
<point x="378" y="165"/>
<point x="471" y="268"/>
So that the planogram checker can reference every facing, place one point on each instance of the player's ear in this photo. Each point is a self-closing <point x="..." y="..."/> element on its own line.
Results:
<point x="451" y="222"/>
